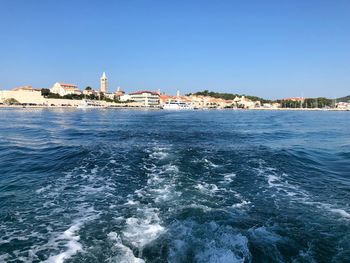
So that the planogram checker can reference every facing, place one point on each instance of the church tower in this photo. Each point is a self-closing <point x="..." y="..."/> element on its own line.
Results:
<point x="104" y="83"/>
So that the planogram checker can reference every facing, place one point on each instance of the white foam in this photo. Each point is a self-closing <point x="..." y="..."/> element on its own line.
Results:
<point x="243" y="203"/>
<point x="198" y="206"/>
<point x="3" y="257"/>
<point x="171" y="168"/>
<point x="229" y="177"/>
<point x="163" y="194"/>
<point x="125" y="254"/>
<point x="215" y="243"/>
<point x="282" y="185"/>
<point x="210" y="163"/>
<point x="341" y="212"/>
<point x="71" y="236"/>
<point x="159" y="153"/>
<point x="200" y="187"/>
<point x="330" y="208"/>
<point x="132" y="202"/>
<point x="73" y="245"/>
<point x="93" y="190"/>
<point x="141" y="231"/>
<point x="271" y="179"/>
<point x="43" y="189"/>
<point x="207" y="188"/>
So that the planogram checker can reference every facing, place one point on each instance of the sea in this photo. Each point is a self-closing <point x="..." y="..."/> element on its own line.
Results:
<point x="134" y="186"/>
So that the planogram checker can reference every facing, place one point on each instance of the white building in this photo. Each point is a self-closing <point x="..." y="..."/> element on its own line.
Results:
<point x="109" y="95"/>
<point x="274" y="105"/>
<point x="125" y="97"/>
<point x="246" y="103"/>
<point x="343" y="105"/>
<point x="146" y="98"/>
<point x="23" y="95"/>
<point x="90" y="92"/>
<point x="65" y="89"/>
<point x="104" y="83"/>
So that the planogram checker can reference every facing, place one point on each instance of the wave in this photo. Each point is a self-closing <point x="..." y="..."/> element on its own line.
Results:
<point x="124" y="253"/>
<point x="279" y="181"/>
<point x="208" y="242"/>
<point x="145" y="224"/>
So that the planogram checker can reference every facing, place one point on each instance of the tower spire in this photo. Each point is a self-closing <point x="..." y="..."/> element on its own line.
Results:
<point x="104" y="83"/>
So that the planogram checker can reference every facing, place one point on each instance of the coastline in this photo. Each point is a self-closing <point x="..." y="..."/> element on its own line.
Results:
<point x="149" y="108"/>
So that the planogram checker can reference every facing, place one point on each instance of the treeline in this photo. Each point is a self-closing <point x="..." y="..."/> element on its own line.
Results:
<point x="320" y="102"/>
<point x="46" y="93"/>
<point x="344" y="99"/>
<point x="228" y="96"/>
<point x="307" y="103"/>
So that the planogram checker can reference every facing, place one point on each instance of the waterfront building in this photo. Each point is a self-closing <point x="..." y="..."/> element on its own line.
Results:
<point x="119" y="93"/>
<point x="25" y="95"/>
<point x="146" y="98"/>
<point x="274" y="105"/>
<point x="65" y="89"/>
<point x="90" y="92"/>
<point x="163" y="99"/>
<point x="110" y="96"/>
<point x="125" y="97"/>
<point x="343" y="105"/>
<point x="104" y="83"/>
<point x="245" y="103"/>
<point x="206" y="102"/>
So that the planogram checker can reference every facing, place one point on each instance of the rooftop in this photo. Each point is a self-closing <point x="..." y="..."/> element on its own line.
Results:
<point x="144" y="91"/>
<point x="68" y="85"/>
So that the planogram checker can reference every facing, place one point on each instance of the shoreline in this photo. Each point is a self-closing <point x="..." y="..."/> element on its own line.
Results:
<point x="148" y="108"/>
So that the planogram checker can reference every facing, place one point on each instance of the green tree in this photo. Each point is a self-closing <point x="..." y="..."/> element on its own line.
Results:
<point x="45" y="92"/>
<point x="229" y="96"/>
<point x="53" y="96"/>
<point x="91" y="97"/>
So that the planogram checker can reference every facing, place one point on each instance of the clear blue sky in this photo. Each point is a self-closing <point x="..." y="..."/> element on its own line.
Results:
<point x="271" y="49"/>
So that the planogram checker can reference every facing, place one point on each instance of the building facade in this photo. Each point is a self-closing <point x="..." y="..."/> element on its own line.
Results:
<point x="119" y="93"/>
<point x="146" y="98"/>
<point x="90" y="92"/>
<point x="23" y="95"/>
<point x="104" y="83"/>
<point x="125" y="97"/>
<point x="65" y="89"/>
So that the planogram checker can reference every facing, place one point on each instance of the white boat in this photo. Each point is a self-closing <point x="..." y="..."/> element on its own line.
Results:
<point x="177" y="105"/>
<point x="87" y="104"/>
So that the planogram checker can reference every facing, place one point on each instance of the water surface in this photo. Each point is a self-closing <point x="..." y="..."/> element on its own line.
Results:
<point x="160" y="186"/>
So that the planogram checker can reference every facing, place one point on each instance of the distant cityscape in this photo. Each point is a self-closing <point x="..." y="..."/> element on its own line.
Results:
<point x="69" y="95"/>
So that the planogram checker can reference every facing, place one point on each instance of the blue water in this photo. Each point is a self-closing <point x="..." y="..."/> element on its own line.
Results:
<point x="160" y="186"/>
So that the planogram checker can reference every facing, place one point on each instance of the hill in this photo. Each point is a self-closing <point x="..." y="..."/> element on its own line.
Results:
<point x="344" y="99"/>
<point x="228" y="96"/>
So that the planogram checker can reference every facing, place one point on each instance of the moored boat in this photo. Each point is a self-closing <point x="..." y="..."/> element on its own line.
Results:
<point x="177" y="105"/>
<point x="87" y="104"/>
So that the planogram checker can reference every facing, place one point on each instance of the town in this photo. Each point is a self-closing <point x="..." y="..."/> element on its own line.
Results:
<point x="69" y="95"/>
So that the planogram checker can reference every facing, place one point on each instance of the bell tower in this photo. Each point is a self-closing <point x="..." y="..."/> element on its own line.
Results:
<point x="104" y="83"/>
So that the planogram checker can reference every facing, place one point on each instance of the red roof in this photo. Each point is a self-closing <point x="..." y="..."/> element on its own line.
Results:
<point x="68" y="85"/>
<point x="144" y="91"/>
